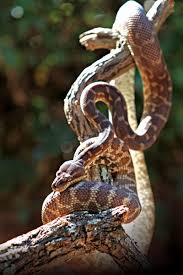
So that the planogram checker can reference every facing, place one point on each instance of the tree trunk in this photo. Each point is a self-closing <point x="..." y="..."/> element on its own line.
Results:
<point x="81" y="243"/>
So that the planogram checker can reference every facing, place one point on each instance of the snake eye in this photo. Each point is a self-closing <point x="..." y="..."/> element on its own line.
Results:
<point x="58" y="173"/>
<point x="60" y="181"/>
<point x="64" y="167"/>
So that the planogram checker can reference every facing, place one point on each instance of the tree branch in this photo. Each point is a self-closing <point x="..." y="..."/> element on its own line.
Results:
<point x="105" y="38"/>
<point x="107" y="68"/>
<point x="54" y="244"/>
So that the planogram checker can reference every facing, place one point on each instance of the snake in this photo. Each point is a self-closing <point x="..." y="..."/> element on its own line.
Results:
<point x="142" y="41"/>
<point x="72" y="192"/>
<point x="70" y="178"/>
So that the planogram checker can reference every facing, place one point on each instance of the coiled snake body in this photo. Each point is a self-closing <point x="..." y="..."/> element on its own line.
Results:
<point x="96" y="196"/>
<point x="143" y="44"/>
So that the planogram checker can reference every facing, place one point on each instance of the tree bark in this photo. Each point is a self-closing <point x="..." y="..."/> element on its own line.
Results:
<point x="107" y="68"/>
<point x="52" y="246"/>
<point x="72" y="244"/>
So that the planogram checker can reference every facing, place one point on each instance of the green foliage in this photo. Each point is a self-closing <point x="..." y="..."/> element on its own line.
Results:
<point x="13" y="171"/>
<point x="38" y="38"/>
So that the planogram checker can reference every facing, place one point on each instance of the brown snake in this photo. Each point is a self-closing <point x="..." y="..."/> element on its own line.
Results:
<point x="95" y="196"/>
<point x="144" y="47"/>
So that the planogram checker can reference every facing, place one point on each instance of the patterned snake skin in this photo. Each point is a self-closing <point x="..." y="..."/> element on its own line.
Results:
<point x="145" y="49"/>
<point x="97" y="196"/>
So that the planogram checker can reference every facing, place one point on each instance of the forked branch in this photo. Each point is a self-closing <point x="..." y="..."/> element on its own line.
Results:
<point x="56" y="244"/>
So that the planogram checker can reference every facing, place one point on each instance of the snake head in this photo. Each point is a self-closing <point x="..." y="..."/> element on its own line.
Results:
<point x="69" y="173"/>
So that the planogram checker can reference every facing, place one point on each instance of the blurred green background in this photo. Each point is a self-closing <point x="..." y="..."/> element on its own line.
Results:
<point x="40" y="58"/>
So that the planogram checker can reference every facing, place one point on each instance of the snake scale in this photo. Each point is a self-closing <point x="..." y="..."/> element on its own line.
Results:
<point x="112" y="144"/>
<point x="95" y="196"/>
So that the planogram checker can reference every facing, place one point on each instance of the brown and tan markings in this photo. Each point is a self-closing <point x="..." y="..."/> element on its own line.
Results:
<point x="97" y="196"/>
<point x="94" y="196"/>
<point x="143" y="44"/>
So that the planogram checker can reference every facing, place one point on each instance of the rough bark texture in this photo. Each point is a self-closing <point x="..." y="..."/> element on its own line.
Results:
<point x="142" y="227"/>
<point x="107" y="68"/>
<point x="73" y="244"/>
<point x="54" y="245"/>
